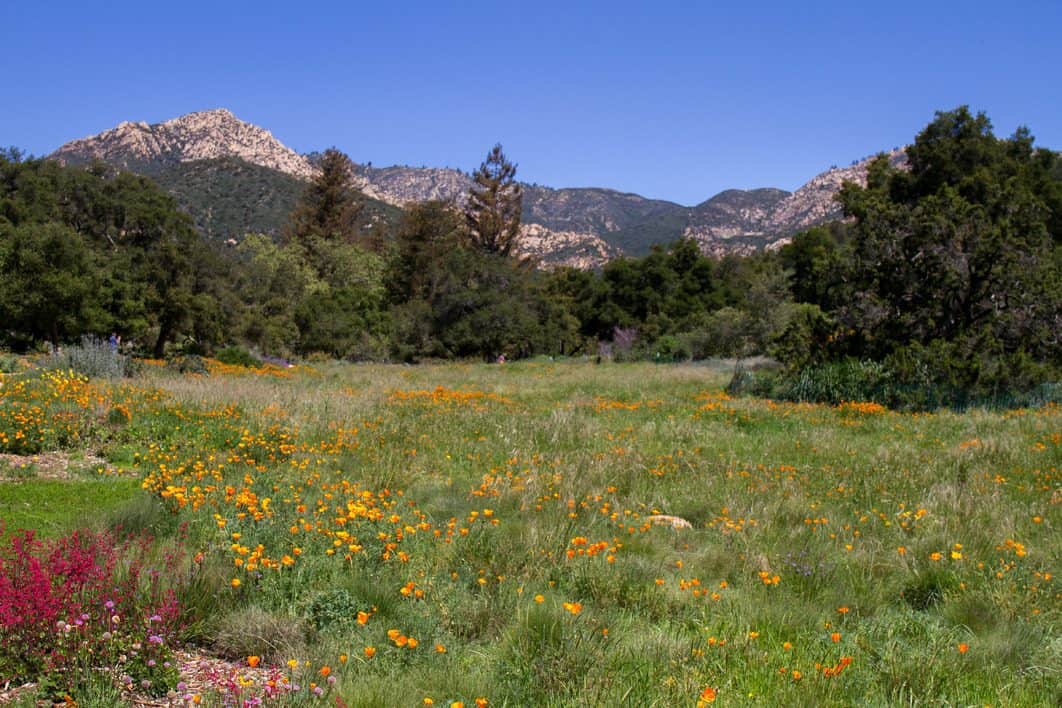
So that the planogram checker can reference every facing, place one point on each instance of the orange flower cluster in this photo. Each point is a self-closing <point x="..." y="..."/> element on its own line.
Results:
<point x="1011" y="545"/>
<point x="28" y="410"/>
<point x="581" y="546"/>
<point x="836" y="669"/>
<point x="410" y="590"/>
<point x="217" y="368"/>
<point x="323" y="511"/>
<point x="767" y="579"/>
<point x="713" y="401"/>
<point x="862" y="408"/>
<point x="445" y="398"/>
<point x="401" y="641"/>
<point x="606" y="404"/>
<point x="694" y="587"/>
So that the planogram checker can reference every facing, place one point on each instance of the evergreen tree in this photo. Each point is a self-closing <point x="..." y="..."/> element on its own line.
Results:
<point x="494" y="204"/>
<point x="329" y="208"/>
<point x="427" y="233"/>
<point x="955" y="261"/>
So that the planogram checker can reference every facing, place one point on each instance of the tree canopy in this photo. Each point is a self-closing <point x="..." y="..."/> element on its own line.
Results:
<point x="89" y="251"/>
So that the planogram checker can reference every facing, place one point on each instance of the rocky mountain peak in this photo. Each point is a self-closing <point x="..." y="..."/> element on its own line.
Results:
<point x="202" y="135"/>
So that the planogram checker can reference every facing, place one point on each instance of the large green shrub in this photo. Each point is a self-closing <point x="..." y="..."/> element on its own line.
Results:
<point x="237" y="356"/>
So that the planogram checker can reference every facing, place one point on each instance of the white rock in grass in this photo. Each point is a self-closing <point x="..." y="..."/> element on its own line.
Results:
<point x="675" y="522"/>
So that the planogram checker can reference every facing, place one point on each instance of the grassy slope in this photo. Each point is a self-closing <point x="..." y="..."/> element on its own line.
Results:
<point x="822" y="498"/>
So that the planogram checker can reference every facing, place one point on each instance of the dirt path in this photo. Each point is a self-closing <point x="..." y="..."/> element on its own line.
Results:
<point x="46" y="465"/>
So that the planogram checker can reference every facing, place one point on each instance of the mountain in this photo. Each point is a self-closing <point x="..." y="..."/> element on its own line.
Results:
<point x="604" y="223"/>
<point x="143" y="148"/>
<point x="234" y="177"/>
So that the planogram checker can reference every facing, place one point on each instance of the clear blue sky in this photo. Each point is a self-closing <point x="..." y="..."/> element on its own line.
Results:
<point x="670" y="100"/>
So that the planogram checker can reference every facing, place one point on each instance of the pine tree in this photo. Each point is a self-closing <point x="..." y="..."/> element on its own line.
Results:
<point x="494" y="204"/>
<point x="329" y="208"/>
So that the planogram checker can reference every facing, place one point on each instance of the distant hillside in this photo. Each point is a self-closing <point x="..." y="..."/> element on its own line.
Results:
<point x="628" y="222"/>
<point x="229" y="197"/>
<point x="235" y="177"/>
<point x="733" y="221"/>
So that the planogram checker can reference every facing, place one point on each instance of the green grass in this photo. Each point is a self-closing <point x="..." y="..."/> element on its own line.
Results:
<point x="909" y="536"/>
<point x="53" y="507"/>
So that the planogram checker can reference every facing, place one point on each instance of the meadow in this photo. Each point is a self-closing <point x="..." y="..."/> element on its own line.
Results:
<point x="548" y="533"/>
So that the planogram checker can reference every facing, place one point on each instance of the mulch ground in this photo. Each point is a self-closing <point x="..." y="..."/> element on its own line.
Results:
<point x="200" y="674"/>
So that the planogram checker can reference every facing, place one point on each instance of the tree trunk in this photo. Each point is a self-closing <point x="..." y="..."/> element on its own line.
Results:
<point x="165" y="330"/>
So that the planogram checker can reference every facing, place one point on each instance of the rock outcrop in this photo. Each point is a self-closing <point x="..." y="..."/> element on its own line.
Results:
<point x="564" y="248"/>
<point x="196" y="136"/>
<point x="815" y="202"/>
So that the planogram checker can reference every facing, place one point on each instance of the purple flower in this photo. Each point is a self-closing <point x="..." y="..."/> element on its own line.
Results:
<point x="109" y="604"/>
<point x="151" y="662"/>
<point x="154" y="618"/>
<point x="155" y="639"/>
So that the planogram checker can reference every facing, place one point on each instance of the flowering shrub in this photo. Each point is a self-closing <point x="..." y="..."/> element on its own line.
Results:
<point x="85" y="602"/>
<point x="92" y="358"/>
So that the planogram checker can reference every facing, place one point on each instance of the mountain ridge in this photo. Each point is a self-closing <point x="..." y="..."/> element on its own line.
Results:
<point x="578" y="226"/>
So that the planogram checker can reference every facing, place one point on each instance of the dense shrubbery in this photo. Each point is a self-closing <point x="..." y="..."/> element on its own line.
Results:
<point x="237" y="356"/>
<point x="91" y="252"/>
<point x="866" y="380"/>
<point x="948" y="278"/>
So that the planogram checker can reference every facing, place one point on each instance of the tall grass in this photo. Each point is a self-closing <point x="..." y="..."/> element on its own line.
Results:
<point x="876" y="557"/>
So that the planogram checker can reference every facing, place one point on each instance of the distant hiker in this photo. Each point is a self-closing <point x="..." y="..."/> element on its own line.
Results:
<point x="501" y="358"/>
<point x="114" y="340"/>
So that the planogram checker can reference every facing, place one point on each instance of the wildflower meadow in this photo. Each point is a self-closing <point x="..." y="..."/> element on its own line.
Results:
<point x="539" y="533"/>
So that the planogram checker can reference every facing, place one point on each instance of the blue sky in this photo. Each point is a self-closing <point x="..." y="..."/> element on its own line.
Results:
<point x="670" y="100"/>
